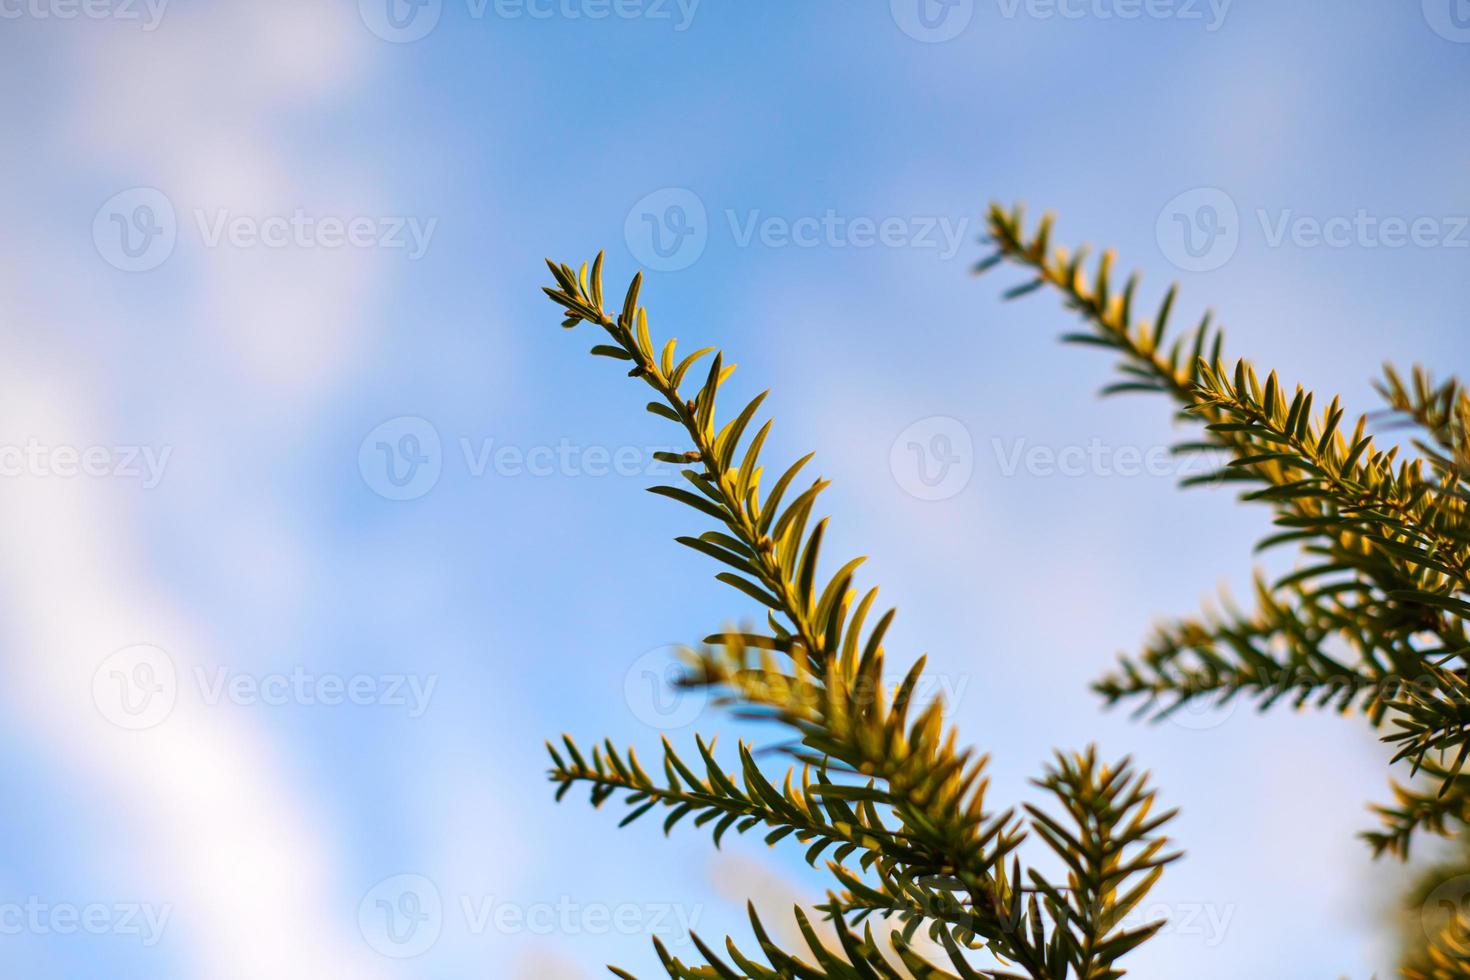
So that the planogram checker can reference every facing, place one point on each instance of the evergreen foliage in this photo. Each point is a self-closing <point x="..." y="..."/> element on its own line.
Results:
<point x="1372" y="619"/>
<point x="882" y="789"/>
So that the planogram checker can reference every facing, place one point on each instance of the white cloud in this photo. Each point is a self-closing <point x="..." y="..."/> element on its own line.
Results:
<point x="202" y="802"/>
<point x="204" y="811"/>
<point x="196" y="109"/>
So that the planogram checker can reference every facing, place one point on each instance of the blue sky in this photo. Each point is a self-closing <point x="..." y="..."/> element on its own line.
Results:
<point x="250" y="244"/>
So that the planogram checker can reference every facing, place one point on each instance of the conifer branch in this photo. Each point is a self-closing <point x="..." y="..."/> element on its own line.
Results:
<point x="801" y="811"/>
<point x="1112" y="854"/>
<point x="1437" y="920"/>
<point x="1441" y="410"/>
<point x="1281" y="651"/>
<point x="819" y="672"/>
<point x="1441" y="812"/>
<point x="1375" y="618"/>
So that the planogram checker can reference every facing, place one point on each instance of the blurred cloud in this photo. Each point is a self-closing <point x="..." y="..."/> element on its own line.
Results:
<point x="217" y="823"/>
<point x="219" y="831"/>
<point x="197" y="108"/>
<point x="546" y="966"/>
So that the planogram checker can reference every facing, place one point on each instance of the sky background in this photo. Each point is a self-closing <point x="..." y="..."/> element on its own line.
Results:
<point x="262" y="689"/>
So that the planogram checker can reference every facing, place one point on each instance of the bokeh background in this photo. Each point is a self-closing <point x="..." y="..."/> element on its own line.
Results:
<point x="314" y="525"/>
